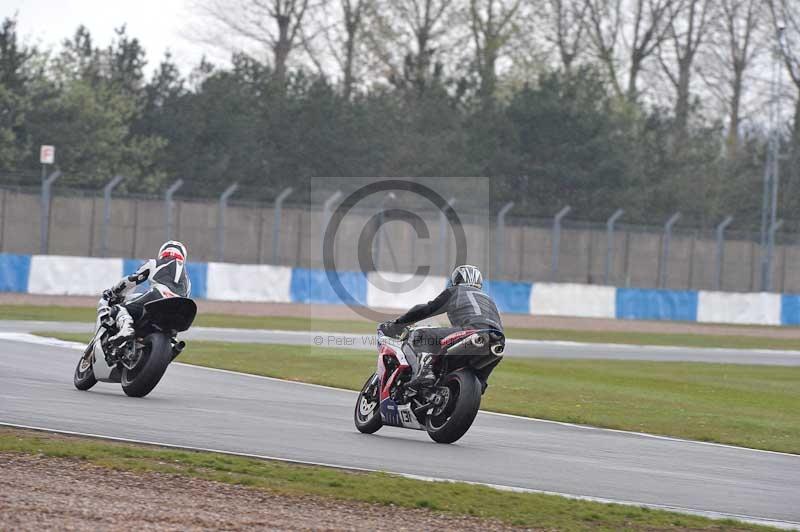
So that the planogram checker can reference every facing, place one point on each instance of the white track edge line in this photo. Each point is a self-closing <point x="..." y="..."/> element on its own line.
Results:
<point x="75" y="345"/>
<point x="522" y="341"/>
<point x="789" y="525"/>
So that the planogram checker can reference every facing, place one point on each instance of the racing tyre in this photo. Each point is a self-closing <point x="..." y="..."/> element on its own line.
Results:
<point x="367" y="415"/>
<point x="448" y="422"/>
<point x="156" y="356"/>
<point x="84" y="374"/>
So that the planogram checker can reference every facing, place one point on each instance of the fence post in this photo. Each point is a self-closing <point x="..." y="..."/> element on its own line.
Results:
<point x="276" y="226"/>
<point x="662" y="277"/>
<point x="170" y="206"/>
<point x="104" y="230"/>
<point x="379" y="232"/>
<point x="720" y="251"/>
<point x="135" y="232"/>
<point x="443" y="236"/>
<point x="610" y="243"/>
<point x="556" y="244"/>
<point x="327" y="206"/>
<point x="500" y="239"/>
<point x="770" y="250"/>
<point x="223" y="204"/>
<point x="3" y="220"/>
<point x="44" y="222"/>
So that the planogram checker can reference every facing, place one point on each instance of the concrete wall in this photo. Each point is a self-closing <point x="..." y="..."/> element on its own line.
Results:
<point x="138" y="227"/>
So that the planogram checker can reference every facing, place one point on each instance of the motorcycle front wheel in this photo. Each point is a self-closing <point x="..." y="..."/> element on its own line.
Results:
<point x="84" y="374"/>
<point x="461" y="391"/>
<point x="156" y="356"/>
<point x="367" y="415"/>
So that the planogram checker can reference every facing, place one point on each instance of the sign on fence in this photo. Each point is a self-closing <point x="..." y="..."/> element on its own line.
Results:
<point x="47" y="154"/>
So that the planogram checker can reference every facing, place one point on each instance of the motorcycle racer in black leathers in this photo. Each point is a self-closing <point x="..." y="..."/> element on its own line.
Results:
<point x="168" y="278"/>
<point x="467" y="307"/>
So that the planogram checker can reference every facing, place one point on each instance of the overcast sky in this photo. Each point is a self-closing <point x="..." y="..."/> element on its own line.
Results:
<point x="158" y="24"/>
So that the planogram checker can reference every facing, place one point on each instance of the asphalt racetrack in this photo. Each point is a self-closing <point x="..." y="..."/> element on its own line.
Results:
<point x="218" y="410"/>
<point x="515" y="348"/>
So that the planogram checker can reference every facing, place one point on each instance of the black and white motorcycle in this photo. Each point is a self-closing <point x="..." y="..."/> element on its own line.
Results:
<point x="446" y="408"/>
<point x="137" y="365"/>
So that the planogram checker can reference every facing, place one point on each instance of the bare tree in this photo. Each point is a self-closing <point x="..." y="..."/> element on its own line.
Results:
<point x="640" y="26"/>
<point x="687" y="32"/>
<point x="566" y="28"/>
<point x="605" y="21"/>
<point x="353" y="16"/>
<point x="786" y="22"/>
<point x="736" y="36"/>
<point x="342" y="25"/>
<point x="403" y="35"/>
<point x="272" y="24"/>
<point x="491" y="24"/>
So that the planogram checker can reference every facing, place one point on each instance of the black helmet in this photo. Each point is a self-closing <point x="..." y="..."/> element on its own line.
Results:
<point x="468" y="275"/>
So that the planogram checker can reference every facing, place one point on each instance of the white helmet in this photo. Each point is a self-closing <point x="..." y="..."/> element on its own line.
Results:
<point x="468" y="275"/>
<point x="173" y="249"/>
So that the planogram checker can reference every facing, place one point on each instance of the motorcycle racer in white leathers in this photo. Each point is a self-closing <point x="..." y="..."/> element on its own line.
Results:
<point x="168" y="278"/>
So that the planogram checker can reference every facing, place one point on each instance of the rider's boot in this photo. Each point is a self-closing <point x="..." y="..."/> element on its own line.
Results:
<point x="424" y="376"/>
<point x="125" y="326"/>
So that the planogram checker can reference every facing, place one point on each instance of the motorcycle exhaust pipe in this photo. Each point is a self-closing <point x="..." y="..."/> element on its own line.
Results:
<point x="177" y="349"/>
<point x="475" y="341"/>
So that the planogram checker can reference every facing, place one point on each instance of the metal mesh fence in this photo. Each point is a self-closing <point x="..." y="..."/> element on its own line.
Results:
<point x="252" y="233"/>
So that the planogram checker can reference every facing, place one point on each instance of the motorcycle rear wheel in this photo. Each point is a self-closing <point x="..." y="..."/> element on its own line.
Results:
<point x="151" y="367"/>
<point x="452" y="420"/>
<point x="367" y="415"/>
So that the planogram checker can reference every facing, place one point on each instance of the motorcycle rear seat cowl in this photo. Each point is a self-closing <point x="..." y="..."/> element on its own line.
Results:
<point x="455" y="337"/>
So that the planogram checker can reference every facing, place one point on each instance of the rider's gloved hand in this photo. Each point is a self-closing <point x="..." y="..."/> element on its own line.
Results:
<point x="391" y="328"/>
<point x="108" y="295"/>
<point x="104" y="315"/>
<point x="103" y="309"/>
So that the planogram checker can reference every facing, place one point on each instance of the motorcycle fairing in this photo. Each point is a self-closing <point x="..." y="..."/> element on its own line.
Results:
<point x="102" y="371"/>
<point x="391" y="413"/>
<point x="393" y="348"/>
<point x="399" y="415"/>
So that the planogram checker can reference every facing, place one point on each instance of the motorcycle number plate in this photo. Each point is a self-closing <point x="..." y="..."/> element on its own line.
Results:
<point x="407" y="418"/>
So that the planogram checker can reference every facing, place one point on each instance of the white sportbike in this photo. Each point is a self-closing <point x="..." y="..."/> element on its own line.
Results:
<point x="139" y="364"/>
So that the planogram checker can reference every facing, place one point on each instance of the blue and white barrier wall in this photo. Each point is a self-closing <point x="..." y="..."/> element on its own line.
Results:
<point x="57" y="275"/>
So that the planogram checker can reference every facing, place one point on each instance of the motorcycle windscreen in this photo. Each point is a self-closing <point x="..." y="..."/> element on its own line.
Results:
<point x="173" y="314"/>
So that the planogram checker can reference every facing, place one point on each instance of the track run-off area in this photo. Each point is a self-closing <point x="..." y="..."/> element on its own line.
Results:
<point x="201" y="408"/>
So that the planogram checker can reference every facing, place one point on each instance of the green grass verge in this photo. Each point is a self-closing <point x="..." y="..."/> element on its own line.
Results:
<point x="54" y="313"/>
<point x="529" y="510"/>
<point x="751" y="406"/>
<point x="667" y="339"/>
<point x="88" y="315"/>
